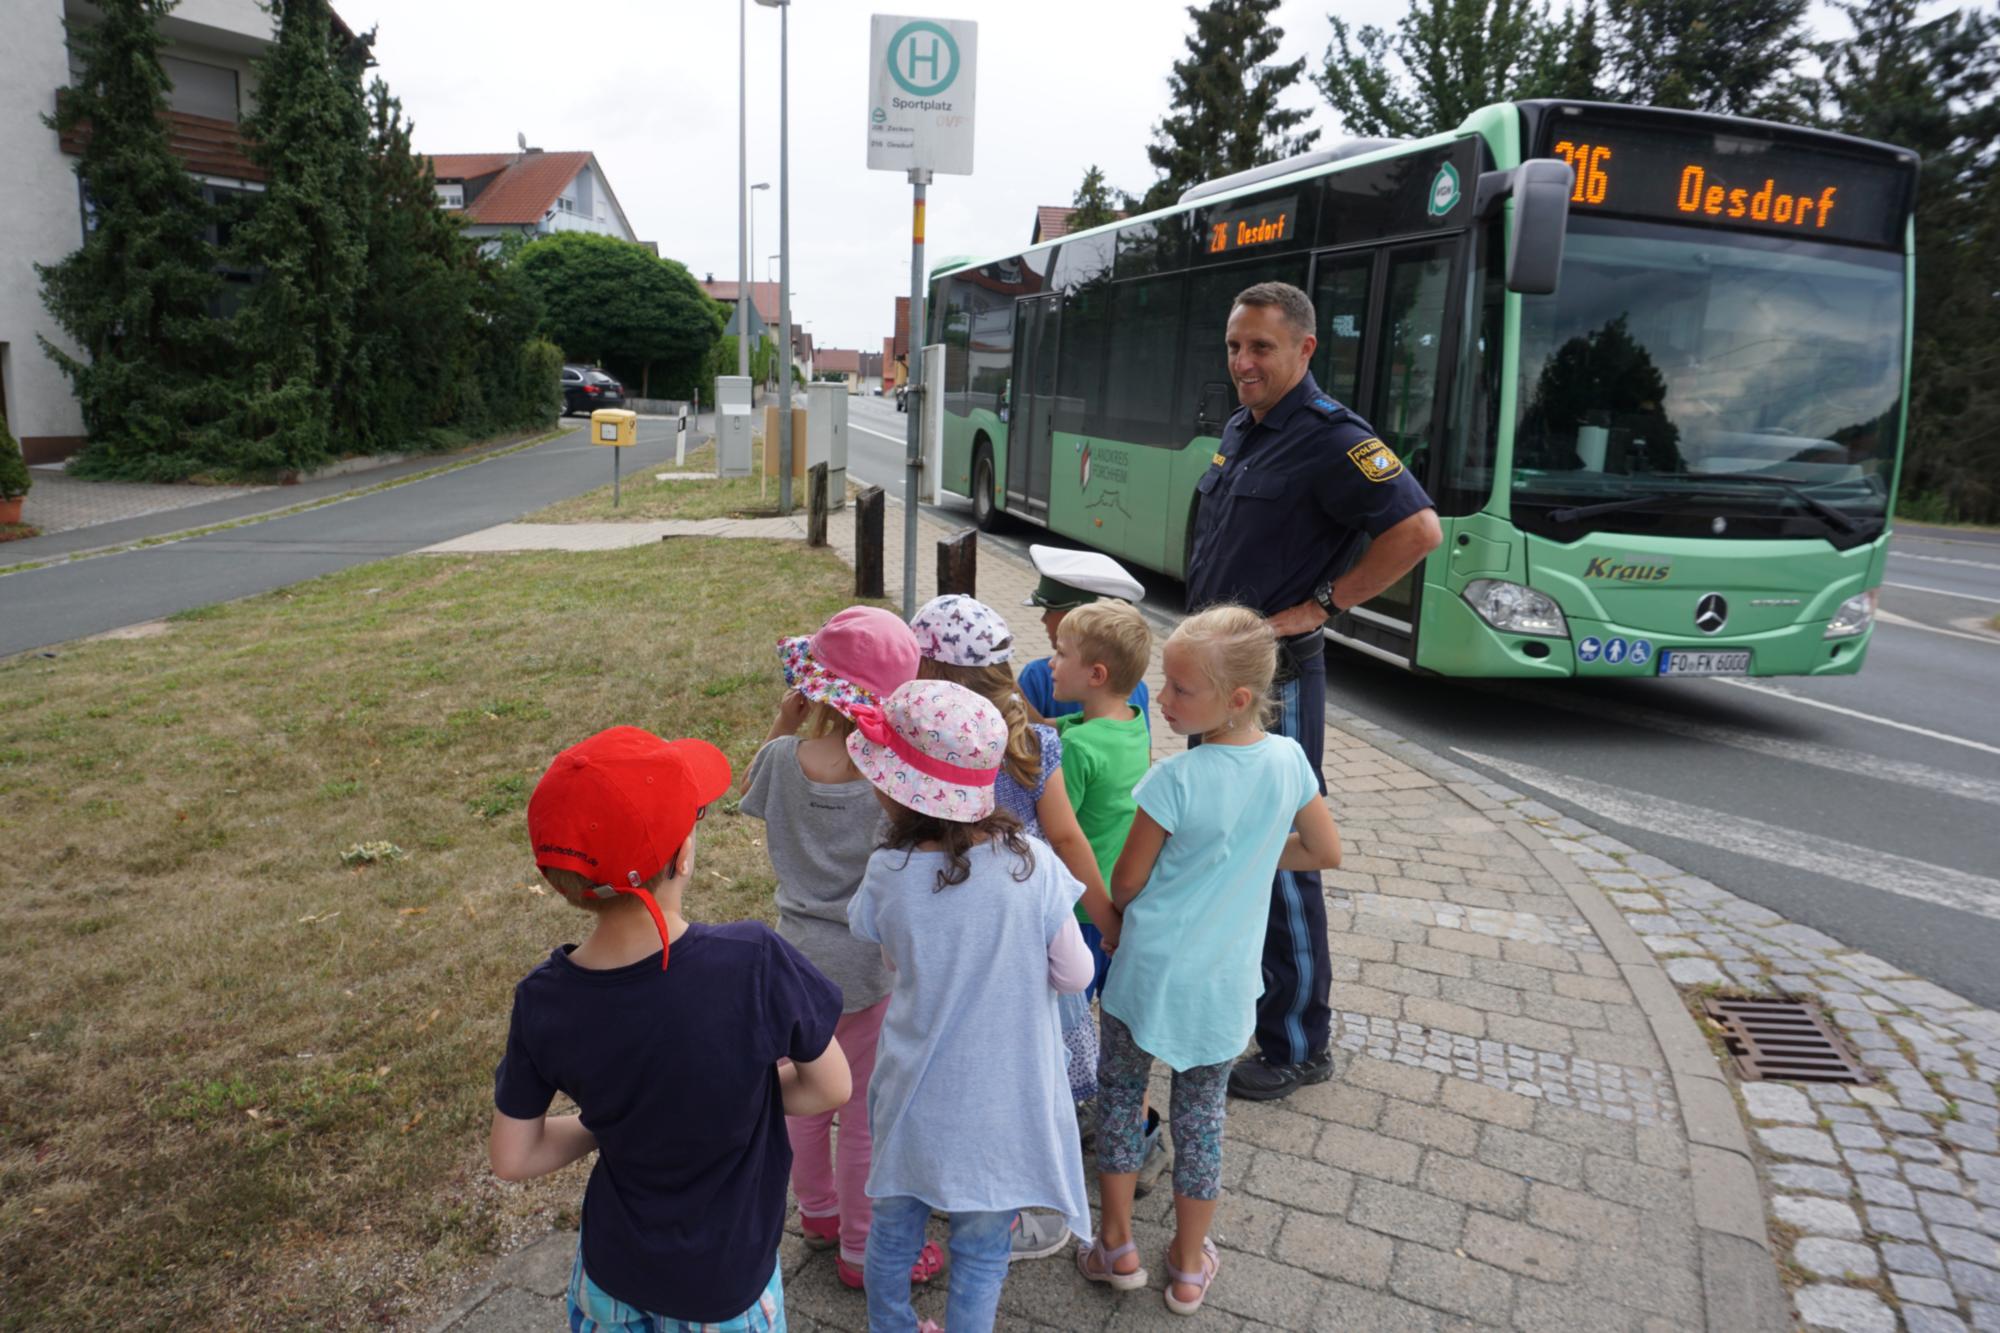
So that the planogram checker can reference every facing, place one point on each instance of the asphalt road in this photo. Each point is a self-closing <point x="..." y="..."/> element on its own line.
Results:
<point x="1865" y="806"/>
<point x="41" y="607"/>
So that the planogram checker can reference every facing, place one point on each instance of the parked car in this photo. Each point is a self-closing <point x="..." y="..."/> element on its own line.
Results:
<point x="586" y="388"/>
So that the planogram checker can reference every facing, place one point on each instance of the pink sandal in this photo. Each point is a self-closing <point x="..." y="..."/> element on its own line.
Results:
<point x="930" y="1262"/>
<point x="820" y="1233"/>
<point x="1211" y="1264"/>
<point x="1105" y="1272"/>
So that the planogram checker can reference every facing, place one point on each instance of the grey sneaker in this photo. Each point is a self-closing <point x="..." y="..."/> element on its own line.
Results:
<point x="1037" y="1236"/>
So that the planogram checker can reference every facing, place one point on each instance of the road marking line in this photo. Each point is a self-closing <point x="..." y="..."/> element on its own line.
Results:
<point x="1943" y="560"/>
<point x="880" y="434"/>
<point x="1778" y="693"/>
<point x="1942" y="592"/>
<point x="1845" y="861"/>
<point x="1889" y="617"/>
<point x="1853" y="762"/>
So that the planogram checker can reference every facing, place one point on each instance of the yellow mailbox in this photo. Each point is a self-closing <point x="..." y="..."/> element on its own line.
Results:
<point x="614" y="425"/>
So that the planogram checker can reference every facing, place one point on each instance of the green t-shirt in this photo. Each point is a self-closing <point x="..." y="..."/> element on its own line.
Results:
<point x="1102" y="761"/>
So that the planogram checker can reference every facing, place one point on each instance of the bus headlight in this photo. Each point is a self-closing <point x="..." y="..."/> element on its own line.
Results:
<point x="1856" y="614"/>
<point x="1516" y="608"/>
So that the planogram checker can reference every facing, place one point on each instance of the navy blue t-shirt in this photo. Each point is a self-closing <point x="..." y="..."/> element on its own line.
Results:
<point x="675" y="1073"/>
<point x="1286" y="501"/>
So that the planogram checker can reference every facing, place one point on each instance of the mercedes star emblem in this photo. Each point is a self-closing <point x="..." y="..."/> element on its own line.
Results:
<point x="1711" y="613"/>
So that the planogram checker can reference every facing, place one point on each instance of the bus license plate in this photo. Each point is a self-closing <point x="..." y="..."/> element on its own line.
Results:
<point x="1698" y="662"/>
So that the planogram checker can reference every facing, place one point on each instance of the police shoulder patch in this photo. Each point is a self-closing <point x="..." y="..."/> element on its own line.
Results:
<point x="1375" y="460"/>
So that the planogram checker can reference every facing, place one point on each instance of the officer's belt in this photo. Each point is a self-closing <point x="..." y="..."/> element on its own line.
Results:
<point x="1294" y="652"/>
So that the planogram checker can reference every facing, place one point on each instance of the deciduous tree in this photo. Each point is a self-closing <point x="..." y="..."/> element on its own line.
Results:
<point x="610" y="301"/>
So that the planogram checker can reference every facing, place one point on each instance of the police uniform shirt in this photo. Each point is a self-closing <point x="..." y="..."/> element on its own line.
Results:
<point x="1286" y="501"/>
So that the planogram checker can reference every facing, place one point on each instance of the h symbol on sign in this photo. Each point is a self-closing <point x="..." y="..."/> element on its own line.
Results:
<point x="911" y="57"/>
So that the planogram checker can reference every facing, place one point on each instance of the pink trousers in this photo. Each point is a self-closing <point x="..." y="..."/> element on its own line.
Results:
<point x="830" y="1185"/>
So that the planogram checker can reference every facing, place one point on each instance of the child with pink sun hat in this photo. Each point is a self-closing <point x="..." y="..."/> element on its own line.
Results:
<point x="980" y="934"/>
<point x="821" y="824"/>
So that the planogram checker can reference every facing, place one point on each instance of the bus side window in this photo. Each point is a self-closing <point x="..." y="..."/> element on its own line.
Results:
<point x="1406" y="379"/>
<point x="1340" y="301"/>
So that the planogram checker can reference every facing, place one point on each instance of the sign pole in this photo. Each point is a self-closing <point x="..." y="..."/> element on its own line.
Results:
<point x="920" y="177"/>
<point x="614" y="479"/>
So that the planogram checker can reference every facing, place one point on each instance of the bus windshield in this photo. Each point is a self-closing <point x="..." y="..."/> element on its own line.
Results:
<point x="1684" y="382"/>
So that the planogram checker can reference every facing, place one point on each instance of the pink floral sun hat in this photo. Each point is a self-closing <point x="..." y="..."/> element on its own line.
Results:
<point x="857" y="657"/>
<point x="932" y="746"/>
<point x="962" y="631"/>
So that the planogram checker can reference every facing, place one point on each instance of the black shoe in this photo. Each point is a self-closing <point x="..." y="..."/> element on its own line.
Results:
<point x="1257" y="1079"/>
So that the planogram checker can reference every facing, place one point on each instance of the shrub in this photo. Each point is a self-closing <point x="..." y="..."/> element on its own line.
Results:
<point x="14" y="478"/>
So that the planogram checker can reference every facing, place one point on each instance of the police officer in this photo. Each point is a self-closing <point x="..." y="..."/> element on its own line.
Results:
<point x="1298" y="482"/>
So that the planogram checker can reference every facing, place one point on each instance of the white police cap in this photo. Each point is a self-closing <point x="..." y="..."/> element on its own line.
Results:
<point x="1072" y="578"/>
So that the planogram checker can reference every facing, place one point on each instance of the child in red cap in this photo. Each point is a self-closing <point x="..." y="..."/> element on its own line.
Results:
<point x="675" y="1063"/>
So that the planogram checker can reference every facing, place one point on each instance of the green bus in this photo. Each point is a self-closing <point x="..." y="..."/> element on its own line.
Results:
<point x="1652" y="366"/>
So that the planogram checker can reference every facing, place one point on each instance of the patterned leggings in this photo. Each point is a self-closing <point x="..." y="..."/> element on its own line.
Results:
<point x="1194" y="1113"/>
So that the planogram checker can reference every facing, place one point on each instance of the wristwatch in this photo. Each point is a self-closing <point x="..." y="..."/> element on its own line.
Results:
<point x="1323" y="594"/>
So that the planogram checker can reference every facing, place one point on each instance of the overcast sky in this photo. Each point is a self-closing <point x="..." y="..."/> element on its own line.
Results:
<point x="650" y="86"/>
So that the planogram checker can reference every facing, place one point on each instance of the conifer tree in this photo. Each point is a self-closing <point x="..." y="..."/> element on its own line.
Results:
<point x="1737" y="57"/>
<point x="1928" y="85"/>
<point x="306" y="241"/>
<point x="1225" y="115"/>
<point x="135" y="297"/>
<point x="1094" y="204"/>
<point x="1447" y="58"/>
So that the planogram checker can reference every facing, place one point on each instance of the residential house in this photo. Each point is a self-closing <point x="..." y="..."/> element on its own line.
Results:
<point x="529" y="193"/>
<point x="843" y="362"/>
<point x="764" y="311"/>
<point x="207" y="59"/>
<point x="1052" y="221"/>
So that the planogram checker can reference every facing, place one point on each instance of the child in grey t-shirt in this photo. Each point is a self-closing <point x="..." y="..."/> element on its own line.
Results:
<point x="822" y="822"/>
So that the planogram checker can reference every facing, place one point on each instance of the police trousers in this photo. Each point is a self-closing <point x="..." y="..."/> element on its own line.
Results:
<point x="1293" y="1017"/>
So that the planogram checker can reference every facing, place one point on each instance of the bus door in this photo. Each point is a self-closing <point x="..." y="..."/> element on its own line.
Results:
<point x="1031" y="420"/>
<point x="1395" y="374"/>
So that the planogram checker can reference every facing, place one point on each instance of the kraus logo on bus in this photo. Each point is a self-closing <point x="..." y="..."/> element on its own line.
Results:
<point x="1083" y="468"/>
<point x="1604" y="567"/>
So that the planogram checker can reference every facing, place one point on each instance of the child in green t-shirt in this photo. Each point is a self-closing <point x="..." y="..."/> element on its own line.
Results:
<point x="1101" y="652"/>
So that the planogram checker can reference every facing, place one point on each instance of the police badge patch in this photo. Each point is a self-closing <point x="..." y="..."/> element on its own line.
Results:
<point x="1377" y="461"/>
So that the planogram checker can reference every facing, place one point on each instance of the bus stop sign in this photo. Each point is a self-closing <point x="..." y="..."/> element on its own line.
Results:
<point x="920" y="94"/>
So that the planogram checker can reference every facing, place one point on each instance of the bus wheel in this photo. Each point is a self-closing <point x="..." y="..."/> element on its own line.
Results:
<point x="985" y="512"/>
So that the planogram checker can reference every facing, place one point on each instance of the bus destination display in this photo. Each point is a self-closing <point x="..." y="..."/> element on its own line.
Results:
<point x="1730" y="181"/>
<point x="1267" y="223"/>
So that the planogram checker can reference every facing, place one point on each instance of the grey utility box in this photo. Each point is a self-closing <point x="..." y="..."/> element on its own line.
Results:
<point x="826" y="436"/>
<point x="732" y="425"/>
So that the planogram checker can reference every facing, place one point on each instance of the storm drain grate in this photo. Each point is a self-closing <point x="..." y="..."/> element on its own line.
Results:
<point x="1783" y="1039"/>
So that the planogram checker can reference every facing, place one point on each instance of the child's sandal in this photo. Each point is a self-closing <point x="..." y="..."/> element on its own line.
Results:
<point x="1105" y="1271"/>
<point x="1211" y="1264"/>
<point x="820" y="1233"/>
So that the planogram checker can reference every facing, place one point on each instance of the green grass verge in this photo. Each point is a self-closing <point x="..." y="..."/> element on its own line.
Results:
<point x="247" y="1084"/>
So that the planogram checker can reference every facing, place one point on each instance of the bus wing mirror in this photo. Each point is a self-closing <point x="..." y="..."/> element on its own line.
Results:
<point x="1540" y="188"/>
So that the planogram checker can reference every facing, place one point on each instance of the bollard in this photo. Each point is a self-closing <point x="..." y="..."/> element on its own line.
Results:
<point x="868" y="511"/>
<point x="816" y="501"/>
<point x="958" y="562"/>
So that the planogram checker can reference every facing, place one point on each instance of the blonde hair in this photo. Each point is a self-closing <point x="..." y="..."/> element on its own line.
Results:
<point x="823" y="719"/>
<point x="1114" y="634"/>
<point x="579" y="889"/>
<point x="995" y="684"/>
<point x="1236" y="649"/>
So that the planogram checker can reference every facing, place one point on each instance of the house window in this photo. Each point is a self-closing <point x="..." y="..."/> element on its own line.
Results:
<point x="565" y="204"/>
<point x="199" y="89"/>
<point x="451" y="196"/>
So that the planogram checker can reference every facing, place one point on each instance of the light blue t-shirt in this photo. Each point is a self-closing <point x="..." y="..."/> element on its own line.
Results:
<point x="1038" y="687"/>
<point x="1189" y="966"/>
<point x="969" y="1104"/>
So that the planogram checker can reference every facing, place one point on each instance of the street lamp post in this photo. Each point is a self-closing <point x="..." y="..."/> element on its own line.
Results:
<point x="784" y="8"/>
<point x="742" y="181"/>
<point x="747" y="292"/>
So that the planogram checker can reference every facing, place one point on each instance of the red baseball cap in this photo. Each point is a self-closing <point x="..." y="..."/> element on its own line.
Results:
<point x="617" y="807"/>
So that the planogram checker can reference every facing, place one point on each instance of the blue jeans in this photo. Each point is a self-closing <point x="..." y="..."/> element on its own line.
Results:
<point x="979" y="1246"/>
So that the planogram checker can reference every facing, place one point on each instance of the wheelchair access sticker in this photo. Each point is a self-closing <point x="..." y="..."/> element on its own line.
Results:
<point x="1377" y="461"/>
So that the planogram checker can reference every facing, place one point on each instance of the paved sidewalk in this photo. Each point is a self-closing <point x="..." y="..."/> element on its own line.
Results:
<point x="1527" y="1130"/>
<point x="58" y="502"/>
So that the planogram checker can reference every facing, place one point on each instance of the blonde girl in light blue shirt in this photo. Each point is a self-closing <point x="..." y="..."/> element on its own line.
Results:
<point x="1194" y="881"/>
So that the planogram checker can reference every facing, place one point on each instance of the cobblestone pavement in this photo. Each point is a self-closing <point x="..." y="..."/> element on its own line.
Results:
<point x="59" y="502"/>
<point x="1886" y="1198"/>
<point x="1526" y="1131"/>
